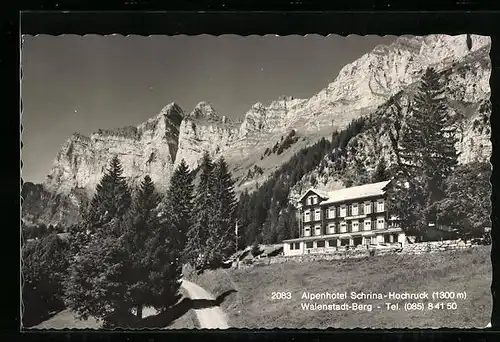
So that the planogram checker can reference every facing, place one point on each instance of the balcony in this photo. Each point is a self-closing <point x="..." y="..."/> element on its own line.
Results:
<point x="355" y="217"/>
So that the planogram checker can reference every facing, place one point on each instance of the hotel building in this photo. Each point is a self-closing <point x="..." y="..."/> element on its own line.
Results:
<point x="354" y="217"/>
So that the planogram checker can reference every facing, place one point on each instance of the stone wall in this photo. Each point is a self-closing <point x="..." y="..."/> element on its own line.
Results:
<point x="436" y="246"/>
<point x="408" y="249"/>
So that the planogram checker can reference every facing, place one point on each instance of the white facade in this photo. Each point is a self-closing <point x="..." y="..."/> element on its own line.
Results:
<point x="355" y="217"/>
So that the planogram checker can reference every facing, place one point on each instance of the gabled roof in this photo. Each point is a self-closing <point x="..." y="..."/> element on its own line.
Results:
<point x="361" y="191"/>
<point x="320" y="193"/>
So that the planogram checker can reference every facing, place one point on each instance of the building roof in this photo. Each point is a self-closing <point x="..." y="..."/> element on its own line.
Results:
<point x="361" y="191"/>
<point x="320" y="193"/>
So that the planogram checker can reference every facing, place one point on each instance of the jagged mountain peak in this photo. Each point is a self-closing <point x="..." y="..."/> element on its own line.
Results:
<point x="203" y="110"/>
<point x="171" y="109"/>
<point x="157" y="145"/>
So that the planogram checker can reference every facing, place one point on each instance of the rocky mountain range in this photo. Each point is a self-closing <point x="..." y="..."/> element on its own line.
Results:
<point x="367" y="86"/>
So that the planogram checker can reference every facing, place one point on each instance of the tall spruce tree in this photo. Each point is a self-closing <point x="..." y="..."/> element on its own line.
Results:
<point x="427" y="145"/>
<point x="112" y="197"/>
<point x="426" y="152"/>
<point x="140" y="226"/>
<point x="166" y="247"/>
<point x="198" y="233"/>
<point x="179" y="203"/>
<point x="222" y="225"/>
<point x="96" y="283"/>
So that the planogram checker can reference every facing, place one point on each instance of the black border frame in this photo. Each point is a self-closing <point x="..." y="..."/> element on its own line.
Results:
<point x="228" y="20"/>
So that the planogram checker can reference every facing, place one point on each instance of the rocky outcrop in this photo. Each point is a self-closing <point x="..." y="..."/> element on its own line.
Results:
<point x="363" y="87"/>
<point x="150" y="148"/>
<point x="468" y="95"/>
<point x="370" y="81"/>
<point x="204" y="130"/>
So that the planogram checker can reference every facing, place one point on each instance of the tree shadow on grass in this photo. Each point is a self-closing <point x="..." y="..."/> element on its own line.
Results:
<point x="165" y="318"/>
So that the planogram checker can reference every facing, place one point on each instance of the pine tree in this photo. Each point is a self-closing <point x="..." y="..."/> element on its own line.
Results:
<point x="426" y="151"/>
<point x="179" y="203"/>
<point x="221" y="242"/>
<point x="198" y="234"/>
<point x="362" y="176"/>
<point x="380" y="174"/>
<point x="44" y="267"/>
<point x="140" y="225"/>
<point x="270" y="227"/>
<point x="106" y="208"/>
<point x="112" y="198"/>
<point x="427" y="145"/>
<point x="467" y="205"/>
<point x="96" y="285"/>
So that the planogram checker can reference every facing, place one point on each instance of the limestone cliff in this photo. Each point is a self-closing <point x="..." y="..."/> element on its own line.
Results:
<point x="149" y="148"/>
<point x="364" y="87"/>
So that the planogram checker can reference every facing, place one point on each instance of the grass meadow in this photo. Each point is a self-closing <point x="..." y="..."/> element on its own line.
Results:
<point x="252" y="306"/>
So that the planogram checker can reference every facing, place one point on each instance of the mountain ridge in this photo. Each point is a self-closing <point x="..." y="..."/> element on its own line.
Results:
<point x="157" y="145"/>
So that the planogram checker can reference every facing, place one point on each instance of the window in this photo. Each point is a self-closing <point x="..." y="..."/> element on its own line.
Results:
<point x="332" y="243"/>
<point x="388" y="238"/>
<point x="368" y="207"/>
<point x="357" y="240"/>
<point x="331" y="228"/>
<point x="355" y="226"/>
<point x="307" y="216"/>
<point x="380" y="223"/>
<point x="309" y="244"/>
<point x="343" y="227"/>
<point x="331" y="212"/>
<point x="320" y="244"/>
<point x="317" y="230"/>
<point x="295" y="245"/>
<point x="368" y="225"/>
<point x="354" y="209"/>
<point x="344" y="242"/>
<point x="312" y="200"/>
<point x="343" y="211"/>
<point x="307" y="231"/>
<point x="380" y="206"/>
<point x="317" y="215"/>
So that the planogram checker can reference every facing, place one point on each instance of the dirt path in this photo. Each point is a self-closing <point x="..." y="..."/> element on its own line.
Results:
<point x="209" y="318"/>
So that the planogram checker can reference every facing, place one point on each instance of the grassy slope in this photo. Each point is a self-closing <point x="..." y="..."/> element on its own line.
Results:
<point x="252" y="307"/>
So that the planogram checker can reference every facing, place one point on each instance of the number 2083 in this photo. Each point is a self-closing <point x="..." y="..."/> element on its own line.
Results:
<point x="281" y="295"/>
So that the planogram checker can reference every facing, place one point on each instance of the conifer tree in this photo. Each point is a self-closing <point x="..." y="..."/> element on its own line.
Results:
<point x="112" y="198"/>
<point x="426" y="153"/>
<point x="96" y="284"/>
<point x="380" y="174"/>
<point x="140" y="226"/>
<point x="44" y="266"/>
<point x="467" y="205"/>
<point x="166" y="272"/>
<point x="179" y="203"/>
<point x="427" y="146"/>
<point x="198" y="234"/>
<point x="222" y="225"/>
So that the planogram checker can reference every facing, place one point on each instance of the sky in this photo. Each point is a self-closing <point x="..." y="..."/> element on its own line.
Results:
<point x="80" y="84"/>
